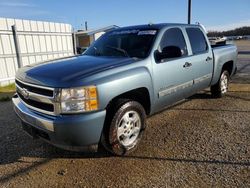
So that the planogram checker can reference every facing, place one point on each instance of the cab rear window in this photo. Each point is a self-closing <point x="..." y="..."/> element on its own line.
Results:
<point x="197" y="40"/>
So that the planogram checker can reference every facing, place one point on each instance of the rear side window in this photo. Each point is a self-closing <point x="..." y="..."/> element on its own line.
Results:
<point x="174" y="37"/>
<point x="197" y="40"/>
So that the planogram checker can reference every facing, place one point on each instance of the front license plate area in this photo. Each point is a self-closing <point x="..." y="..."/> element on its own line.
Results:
<point x="30" y="130"/>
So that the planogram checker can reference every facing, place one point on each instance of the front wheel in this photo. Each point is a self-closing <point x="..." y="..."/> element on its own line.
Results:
<point x="126" y="127"/>
<point x="219" y="90"/>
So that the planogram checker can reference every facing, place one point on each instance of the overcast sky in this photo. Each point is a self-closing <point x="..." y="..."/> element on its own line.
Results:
<point x="214" y="14"/>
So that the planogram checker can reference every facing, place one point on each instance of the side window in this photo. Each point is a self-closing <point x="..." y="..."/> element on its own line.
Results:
<point x="197" y="40"/>
<point x="174" y="37"/>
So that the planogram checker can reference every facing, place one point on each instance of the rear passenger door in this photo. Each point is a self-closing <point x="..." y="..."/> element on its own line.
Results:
<point x="202" y="58"/>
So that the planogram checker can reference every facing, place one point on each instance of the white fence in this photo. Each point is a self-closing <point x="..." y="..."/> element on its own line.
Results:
<point x="38" y="41"/>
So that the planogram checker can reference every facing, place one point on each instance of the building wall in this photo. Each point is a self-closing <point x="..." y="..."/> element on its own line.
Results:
<point x="83" y="41"/>
<point x="38" y="41"/>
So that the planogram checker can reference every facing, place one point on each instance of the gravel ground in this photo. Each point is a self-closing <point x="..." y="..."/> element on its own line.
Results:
<point x="202" y="142"/>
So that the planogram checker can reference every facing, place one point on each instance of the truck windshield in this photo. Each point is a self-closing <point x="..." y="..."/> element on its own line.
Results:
<point x="123" y="43"/>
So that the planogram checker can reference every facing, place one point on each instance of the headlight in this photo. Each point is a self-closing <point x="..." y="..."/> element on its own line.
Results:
<point x="81" y="99"/>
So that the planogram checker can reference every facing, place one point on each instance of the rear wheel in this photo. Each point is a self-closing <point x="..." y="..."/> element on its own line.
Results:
<point x="219" y="90"/>
<point x="125" y="129"/>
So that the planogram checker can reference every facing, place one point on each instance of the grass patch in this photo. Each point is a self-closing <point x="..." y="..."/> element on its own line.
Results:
<point x="6" y="92"/>
<point x="8" y="88"/>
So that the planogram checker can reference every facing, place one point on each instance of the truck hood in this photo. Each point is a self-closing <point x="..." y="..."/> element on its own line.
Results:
<point x="67" y="70"/>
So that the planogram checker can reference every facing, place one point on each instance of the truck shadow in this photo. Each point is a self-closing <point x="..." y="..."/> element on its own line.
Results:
<point x="203" y="95"/>
<point x="41" y="153"/>
<point x="229" y="94"/>
<point x="29" y="148"/>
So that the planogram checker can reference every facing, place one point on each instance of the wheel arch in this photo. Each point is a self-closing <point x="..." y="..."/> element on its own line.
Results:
<point x="140" y="95"/>
<point x="228" y="66"/>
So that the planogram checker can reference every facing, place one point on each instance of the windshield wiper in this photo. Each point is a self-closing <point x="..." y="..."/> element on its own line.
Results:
<point x="125" y="53"/>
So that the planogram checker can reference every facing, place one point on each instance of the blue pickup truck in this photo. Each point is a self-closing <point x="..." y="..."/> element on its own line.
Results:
<point x="102" y="97"/>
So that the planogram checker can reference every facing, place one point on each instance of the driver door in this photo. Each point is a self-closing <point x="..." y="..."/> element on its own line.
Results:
<point x="173" y="78"/>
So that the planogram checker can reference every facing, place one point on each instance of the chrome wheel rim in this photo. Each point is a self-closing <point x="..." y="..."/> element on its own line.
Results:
<point x="129" y="128"/>
<point x="224" y="83"/>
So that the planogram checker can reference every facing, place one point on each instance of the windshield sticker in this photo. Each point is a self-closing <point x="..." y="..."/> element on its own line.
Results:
<point x="125" y="32"/>
<point x="147" y="32"/>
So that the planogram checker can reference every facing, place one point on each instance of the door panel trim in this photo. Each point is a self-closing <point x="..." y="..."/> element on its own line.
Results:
<point x="203" y="78"/>
<point x="173" y="89"/>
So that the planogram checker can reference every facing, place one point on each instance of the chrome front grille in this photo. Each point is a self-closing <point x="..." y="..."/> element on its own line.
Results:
<point x="39" y="98"/>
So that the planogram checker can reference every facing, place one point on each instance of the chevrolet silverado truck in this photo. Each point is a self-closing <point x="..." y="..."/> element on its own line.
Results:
<point x="103" y="96"/>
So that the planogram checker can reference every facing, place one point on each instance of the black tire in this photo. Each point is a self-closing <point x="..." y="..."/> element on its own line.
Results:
<point x="220" y="88"/>
<point x="110" y="139"/>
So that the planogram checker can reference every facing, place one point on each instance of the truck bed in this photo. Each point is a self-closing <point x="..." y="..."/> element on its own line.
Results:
<point x="222" y="54"/>
<point x="219" y="45"/>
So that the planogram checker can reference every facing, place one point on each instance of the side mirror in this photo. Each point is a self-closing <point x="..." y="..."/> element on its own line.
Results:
<point x="168" y="52"/>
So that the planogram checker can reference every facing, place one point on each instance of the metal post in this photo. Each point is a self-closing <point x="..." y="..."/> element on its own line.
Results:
<point x="189" y="11"/>
<point x="74" y="43"/>
<point x="86" y="26"/>
<point x="17" y="47"/>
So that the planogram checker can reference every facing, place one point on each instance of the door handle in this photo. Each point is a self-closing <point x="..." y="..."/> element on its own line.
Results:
<point x="187" y="64"/>
<point x="208" y="58"/>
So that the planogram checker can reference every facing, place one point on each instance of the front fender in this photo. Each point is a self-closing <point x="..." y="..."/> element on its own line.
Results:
<point x="122" y="82"/>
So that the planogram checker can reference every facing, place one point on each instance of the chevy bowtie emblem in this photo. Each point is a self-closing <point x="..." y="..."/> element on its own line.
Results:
<point x="25" y="93"/>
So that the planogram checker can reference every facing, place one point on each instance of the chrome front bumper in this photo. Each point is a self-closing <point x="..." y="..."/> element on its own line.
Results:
<point x="71" y="132"/>
<point x="30" y="117"/>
